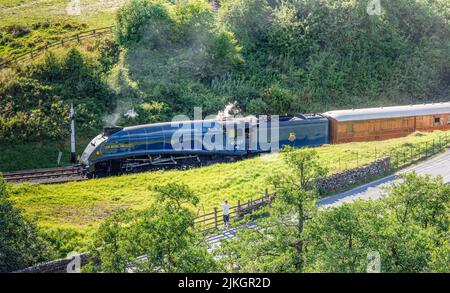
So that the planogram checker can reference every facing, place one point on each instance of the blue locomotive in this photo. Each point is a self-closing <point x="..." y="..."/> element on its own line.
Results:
<point x="190" y="143"/>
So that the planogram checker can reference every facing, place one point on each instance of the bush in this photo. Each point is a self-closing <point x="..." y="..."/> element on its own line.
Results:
<point x="133" y="20"/>
<point x="21" y="243"/>
<point x="35" y="104"/>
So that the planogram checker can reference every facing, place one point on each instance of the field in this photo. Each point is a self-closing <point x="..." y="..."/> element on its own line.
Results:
<point x="26" y="24"/>
<point x="80" y="206"/>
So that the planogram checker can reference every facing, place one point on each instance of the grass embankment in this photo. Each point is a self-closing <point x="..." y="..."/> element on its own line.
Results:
<point x="35" y="155"/>
<point x="81" y="206"/>
<point x="26" y="24"/>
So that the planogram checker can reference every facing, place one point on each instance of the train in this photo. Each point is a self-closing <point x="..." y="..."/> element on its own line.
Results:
<point x="183" y="144"/>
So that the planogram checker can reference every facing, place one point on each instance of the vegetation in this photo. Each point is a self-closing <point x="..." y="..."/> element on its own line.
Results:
<point x="28" y="24"/>
<point x="21" y="244"/>
<point x="81" y="206"/>
<point x="39" y="154"/>
<point x="35" y="103"/>
<point x="162" y="232"/>
<point x="406" y="231"/>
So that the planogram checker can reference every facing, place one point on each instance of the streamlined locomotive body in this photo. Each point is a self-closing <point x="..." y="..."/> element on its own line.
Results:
<point x="186" y="143"/>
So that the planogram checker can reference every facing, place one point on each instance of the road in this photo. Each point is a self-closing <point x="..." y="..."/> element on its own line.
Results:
<point x="436" y="166"/>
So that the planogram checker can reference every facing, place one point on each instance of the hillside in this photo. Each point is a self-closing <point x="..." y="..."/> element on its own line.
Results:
<point x="27" y="24"/>
<point x="167" y="57"/>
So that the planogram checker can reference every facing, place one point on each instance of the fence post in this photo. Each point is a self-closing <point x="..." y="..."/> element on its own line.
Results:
<point x="239" y="209"/>
<point x="357" y="159"/>
<point x="433" y="147"/>
<point x="215" y="217"/>
<point x="426" y="149"/>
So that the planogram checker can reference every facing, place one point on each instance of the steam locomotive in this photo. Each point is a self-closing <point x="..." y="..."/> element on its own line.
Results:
<point x="152" y="146"/>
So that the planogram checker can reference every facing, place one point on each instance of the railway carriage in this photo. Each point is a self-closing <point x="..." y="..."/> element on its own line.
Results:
<point x="386" y="122"/>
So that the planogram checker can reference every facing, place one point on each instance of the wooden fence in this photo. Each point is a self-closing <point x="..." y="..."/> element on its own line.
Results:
<point x="214" y="220"/>
<point x="57" y="44"/>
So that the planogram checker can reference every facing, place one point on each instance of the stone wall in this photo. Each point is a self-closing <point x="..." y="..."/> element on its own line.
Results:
<point x="57" y="266"/>
<point x="350" y="177"/>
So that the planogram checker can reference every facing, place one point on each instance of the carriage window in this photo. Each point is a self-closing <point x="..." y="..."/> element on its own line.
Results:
<point x="448" y="120"/>
<point x="437" y="120"/>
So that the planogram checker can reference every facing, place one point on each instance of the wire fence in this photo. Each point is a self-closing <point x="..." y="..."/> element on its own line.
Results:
<point x="413" y="153"/>
<point x="399" y="158"/>
<point x="30" y="55"/>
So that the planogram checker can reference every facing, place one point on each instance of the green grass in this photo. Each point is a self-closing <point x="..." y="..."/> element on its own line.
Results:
<point x="34" y="155"/>
<point x="47" y="20"/>
<point x="83" y="205"/>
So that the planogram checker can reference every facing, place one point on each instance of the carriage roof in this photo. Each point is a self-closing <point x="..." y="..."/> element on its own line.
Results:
<point x="389" y="112"/>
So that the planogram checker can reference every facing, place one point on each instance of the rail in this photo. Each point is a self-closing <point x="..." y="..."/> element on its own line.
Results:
<point x="30" y="55"/>
<point x="50" y="175"/>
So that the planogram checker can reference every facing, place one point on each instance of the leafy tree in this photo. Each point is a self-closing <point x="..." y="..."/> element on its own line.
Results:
<point x="21" y="243"/>
<point x="398" y="227"/>
<point x="278" y="244"/>
<point x="422" y="200"/>
<point x="162" y="234"/>
<point x="132" y="19"/>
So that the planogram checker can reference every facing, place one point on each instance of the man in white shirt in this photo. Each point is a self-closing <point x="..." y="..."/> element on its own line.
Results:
<point x="226" y="214"/>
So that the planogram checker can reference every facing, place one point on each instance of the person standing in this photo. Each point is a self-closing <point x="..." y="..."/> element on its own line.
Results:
<point x="226" y="214"/>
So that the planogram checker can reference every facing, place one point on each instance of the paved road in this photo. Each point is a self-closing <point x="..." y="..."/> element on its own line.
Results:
<point x="439" y="165"/>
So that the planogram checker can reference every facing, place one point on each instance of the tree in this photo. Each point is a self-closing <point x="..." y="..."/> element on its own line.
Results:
<point x="422" y="200"/>
<point x="21" y="244"/>
<point x="157" y="239"/>
<point x="248" y="19"/>
<point x="408" y="228"/>
<point x="278" y="244"/>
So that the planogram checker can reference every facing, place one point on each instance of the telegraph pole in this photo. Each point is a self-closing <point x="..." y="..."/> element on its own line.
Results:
<point x="72" y="135"/>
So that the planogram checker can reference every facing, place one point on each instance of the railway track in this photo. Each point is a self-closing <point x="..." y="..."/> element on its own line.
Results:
<point x="69" y="174"/>
<point x="45" y="176"/>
